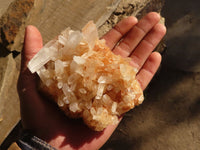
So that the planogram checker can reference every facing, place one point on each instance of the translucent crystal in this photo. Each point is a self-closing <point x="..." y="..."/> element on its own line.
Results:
<point x="88" y="105"/>
<point x="59" y="67"/>
<point x="82" y="91"/>
<point x="66" y="63"/>
<point x="99" y="110"/>
<point x="60" y="85"/>
<point x="93" y="111"/>
<point x="60" y="103"/>
<point x="41" y="58"/>
<point x="66" y="100"/>
<point x="140" y="99"/>
<point x="115" y="120"/>
<point x="74" y="67"/>
<point x="100" y="91"/>
<point x="66" y="89"/>
<point x="104" y="79"/>
<point x="79" y="60"/>
<point x="114" y="107"/>
<point x="73" y="78"/>
<point x="62" y="40"/>
<point x="43" y="73"/>
<point x="69" y="93"/>
<point x="106" y="99"/>
<point x="109" y="87"/>
<point x="123" y="70"/>
<point x="85" y="78"/>
<point x="73" y="40"/>
<point x="65" y="33"/>
<point x="72" y="87"/>
<point x="74" y="107"/>
<point x="90" y="34"/>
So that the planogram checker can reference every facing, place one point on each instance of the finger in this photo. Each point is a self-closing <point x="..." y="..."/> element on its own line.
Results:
<point x="32" y="44"/>
<point x="115" y="34"/>
<point x="147" y="45"/>
<point x="137" y="33"/>
<point x="149" y="69"/>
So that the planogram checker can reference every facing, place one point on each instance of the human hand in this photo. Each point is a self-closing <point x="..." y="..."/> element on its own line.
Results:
<point x="45" y="120"/>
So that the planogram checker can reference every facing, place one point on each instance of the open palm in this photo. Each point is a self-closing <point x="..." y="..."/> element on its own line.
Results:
<point x="129" y="38"/>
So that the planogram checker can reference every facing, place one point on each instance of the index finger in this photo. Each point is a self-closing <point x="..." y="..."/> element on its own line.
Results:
<point x="119" y="30"/>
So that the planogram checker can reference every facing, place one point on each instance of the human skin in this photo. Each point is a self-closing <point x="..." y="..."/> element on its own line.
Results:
<point x="137" y="40"/>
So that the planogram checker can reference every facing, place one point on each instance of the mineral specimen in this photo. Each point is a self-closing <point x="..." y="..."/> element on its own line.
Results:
<point x="86" y="79"/>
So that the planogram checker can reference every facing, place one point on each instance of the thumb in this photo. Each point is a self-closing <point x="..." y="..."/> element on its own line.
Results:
<point x="32" y="44"/>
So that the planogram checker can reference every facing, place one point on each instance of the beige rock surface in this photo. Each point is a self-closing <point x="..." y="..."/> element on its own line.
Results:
<point x="52" y="17"/>
<point x="4" y="5"/>
<point x="10" y="23"/>
<point x="136" y="8"/>
<point x="9" y="102"/>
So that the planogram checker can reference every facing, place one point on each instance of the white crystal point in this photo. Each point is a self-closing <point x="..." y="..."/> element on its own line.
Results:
<point x="63" y="37"/>
<point x="90" y="33"/>
<point x="72" y="41"/>
<point x="79" y="60"/>
<point x="59" y="67"/>
<point x="41" y="58"/>
<point x="75" y="38"/>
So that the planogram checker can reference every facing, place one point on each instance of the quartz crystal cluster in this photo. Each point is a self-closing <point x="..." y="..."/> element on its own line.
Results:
<point x="86" y="79"/>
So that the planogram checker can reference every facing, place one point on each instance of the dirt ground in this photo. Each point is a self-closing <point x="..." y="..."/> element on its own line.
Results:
<point x="169" y="118"/>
